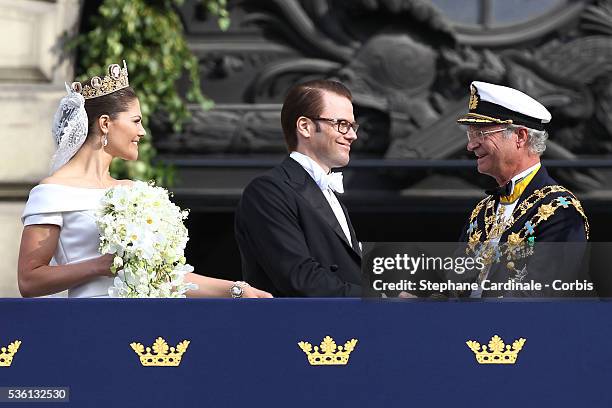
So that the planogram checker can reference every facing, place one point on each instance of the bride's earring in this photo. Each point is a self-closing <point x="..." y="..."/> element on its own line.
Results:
<point x="105" y="140"/>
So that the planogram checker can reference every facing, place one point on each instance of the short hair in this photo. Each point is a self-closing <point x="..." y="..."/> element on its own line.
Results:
<point x="536" y="139"/>
<point x="111" y="104"/>
<point x="306" y="99"/>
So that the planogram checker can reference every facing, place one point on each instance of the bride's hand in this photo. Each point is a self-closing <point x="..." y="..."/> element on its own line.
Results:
<point x="251" y="292"/>
<point x="103" y="264"/>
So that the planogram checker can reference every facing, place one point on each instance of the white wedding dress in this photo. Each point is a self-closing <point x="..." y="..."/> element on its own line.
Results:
<point x="73" y="209"/>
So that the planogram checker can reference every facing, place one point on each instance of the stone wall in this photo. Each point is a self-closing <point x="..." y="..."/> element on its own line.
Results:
<point x="33" y="68"/>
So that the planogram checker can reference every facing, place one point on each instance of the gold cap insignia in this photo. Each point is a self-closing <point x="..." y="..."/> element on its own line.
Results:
<point x="330" y="354"/>
<point x="7" y="353"/>
<point x="162" y="355"/>
<point x="473" y="98"/>
<point x="498" y="352"/>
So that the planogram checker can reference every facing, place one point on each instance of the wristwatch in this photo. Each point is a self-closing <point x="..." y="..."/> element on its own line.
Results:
<point x="237" y="289"/>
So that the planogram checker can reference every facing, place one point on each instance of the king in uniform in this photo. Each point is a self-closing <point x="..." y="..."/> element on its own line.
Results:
<point x="506" y="132"/>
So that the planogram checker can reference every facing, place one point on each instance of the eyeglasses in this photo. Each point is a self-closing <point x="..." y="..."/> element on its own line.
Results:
<point x="479" y="135"/>
<point x="342" y="125"/>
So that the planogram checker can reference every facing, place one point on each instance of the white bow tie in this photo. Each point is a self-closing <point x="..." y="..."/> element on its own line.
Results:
<point x="333" y="181"/>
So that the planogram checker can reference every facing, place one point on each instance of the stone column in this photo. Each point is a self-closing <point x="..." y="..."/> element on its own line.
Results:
<point x="33" y="68"/>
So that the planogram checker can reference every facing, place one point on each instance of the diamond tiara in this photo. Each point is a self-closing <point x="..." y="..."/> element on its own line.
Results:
<point x="116" y="79"/>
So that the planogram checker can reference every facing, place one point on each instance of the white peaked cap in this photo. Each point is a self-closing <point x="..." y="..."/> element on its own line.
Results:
<point x="490" y="103"/>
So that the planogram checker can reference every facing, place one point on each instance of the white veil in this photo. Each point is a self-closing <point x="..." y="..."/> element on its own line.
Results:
<point x="69" y="128"/>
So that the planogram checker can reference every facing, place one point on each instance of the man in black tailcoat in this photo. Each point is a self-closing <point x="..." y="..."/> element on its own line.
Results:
<point x="294" y="235"/>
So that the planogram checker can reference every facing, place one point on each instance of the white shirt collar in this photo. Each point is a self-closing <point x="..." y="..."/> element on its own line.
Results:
<point x="522" y="175"/>
<point x="312" y="167"/>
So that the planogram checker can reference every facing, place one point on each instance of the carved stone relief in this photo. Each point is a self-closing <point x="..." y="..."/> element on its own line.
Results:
<point x="409" y="69"/>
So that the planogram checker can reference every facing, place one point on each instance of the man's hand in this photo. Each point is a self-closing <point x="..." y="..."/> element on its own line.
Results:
<point x="251" y="292"/>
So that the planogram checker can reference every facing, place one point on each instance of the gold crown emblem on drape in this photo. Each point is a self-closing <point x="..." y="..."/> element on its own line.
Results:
<point x="7" y="353"/>
<point x="329" y="353"/>
<point x="497" y="352"/>
<point x="160" y="354"/>
<point x="116" y="79"/>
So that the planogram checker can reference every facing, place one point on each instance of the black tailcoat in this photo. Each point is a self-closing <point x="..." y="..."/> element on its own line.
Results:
<point x="290" y="241"/>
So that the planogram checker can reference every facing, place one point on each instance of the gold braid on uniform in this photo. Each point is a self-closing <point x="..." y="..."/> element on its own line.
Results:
<point x="474" y="235"/>
<point x="479" y="206"/>
<point x="489" y="217"/>
<point x="545" y="211"/>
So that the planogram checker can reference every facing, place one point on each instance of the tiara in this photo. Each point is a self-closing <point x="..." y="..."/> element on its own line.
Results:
<point x="116" y="79"/>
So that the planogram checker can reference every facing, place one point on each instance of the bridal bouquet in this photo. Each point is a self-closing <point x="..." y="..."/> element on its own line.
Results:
<point x="145" y="231"/>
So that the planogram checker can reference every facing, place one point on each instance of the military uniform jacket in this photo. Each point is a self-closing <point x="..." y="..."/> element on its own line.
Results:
<point x="544" y="240"/>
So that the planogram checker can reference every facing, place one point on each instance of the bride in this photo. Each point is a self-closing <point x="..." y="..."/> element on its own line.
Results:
<point x="59" y="245"/>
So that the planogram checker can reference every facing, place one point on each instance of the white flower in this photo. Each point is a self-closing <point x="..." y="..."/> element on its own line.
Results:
<point x="119" y="289"/>
<point x="143" y="289"/>
<point x="165" y="287"/>
<point x="145" y="231"/>
<point x="118" y="262"/>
